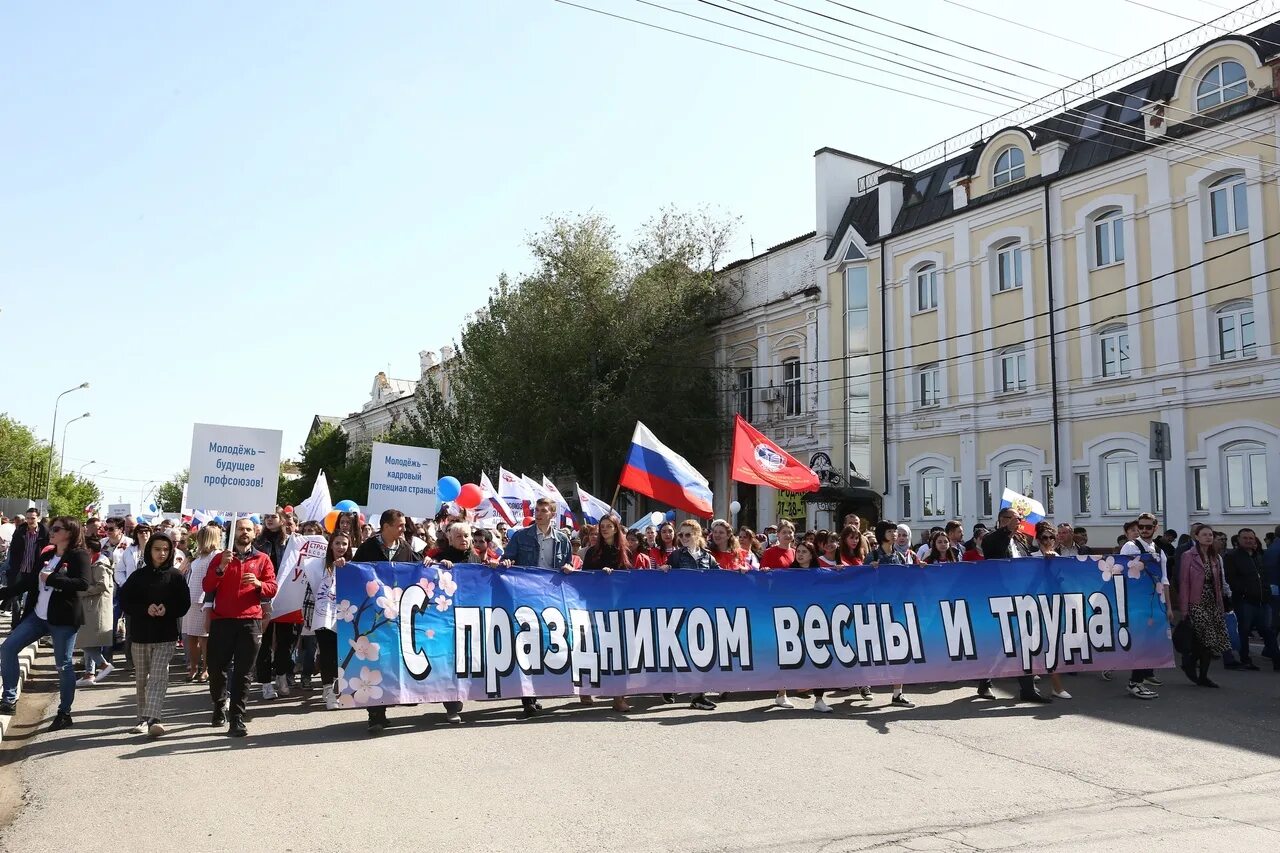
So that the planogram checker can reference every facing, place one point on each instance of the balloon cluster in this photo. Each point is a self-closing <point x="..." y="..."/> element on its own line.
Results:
<point x="467" y="496"/>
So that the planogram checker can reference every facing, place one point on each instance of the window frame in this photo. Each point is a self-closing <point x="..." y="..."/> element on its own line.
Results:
<point x="1010" y="256"/>
<point x="1218" y="93"/>
<point x="1006" y="171"/>
<point x="933" y="483"/>
<point x="1018" y="355"/>
<point x="1108" y="234"/>
<point x="933" y="373"/>
<point x="1084" y="494"/>
<point x="792" y="390"/>
<point x="1248" y="453"/>
<point x="925" y="273"/>
<point x="1119" y="335"/>
<point x="906" y="500"/>
<point x="1130" y="472"/>
<point x="1230" y="193"/>
<point x="744" y="394"/>
<point x="1026" y="469"/>
<point x="985" y="501"/>
<point x="1236" y="312"/>
<point x="1199" y="488"/>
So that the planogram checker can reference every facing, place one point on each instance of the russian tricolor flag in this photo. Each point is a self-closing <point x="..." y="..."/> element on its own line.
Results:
<point x="656" y="470"/>
<point x="1031" y="510"/>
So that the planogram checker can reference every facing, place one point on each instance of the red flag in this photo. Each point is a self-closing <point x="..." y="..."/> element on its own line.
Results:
<point x="758" y="460"/>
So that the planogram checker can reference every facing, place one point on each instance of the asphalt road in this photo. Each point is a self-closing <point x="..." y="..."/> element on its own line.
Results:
<point x="1196" y="769"/>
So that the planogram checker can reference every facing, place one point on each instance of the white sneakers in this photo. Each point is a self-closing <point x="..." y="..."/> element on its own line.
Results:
<point x="782" y="701"/>
<point x="87" y="681"/>
<point x="141" y="728"/>
<point x="103" y="673"/>
<point x="821" y="707"/>
<point x="282" y="685"/>
<point x="1137" y="691"/>
<point x="1061" y="694"/>
<point x="268" y="691"/>
<point x="330" y="698"/>
<point x="156" y="729"/>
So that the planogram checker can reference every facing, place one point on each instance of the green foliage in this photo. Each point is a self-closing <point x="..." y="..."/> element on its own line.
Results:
<point x="24" y="461"/>
<point x="71" y="495"/>
<point x="556" y="369"/>
<point x="169" y="495"/>
<point x="435" y="423"/>
<point x="326" y="450"/>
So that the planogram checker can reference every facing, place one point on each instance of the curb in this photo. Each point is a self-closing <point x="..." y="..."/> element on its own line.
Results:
<point x="26" y="660"/>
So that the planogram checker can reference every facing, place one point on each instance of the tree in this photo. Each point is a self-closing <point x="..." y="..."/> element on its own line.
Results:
<point x="24" y="461"/>
<point x="169" y="495"/>
<point x="326" y="450"/>
<point x="71" y="495"/>
<point x="556" y="369"/>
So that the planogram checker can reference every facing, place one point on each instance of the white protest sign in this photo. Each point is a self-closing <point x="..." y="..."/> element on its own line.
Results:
<point x="403" y="478"/>
<point x="291" y="576"/>
<point x="236" y="469"/>
<point x="119" y="510"/>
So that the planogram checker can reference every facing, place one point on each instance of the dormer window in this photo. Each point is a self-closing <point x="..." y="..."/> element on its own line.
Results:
<point x="1011" y="165"/>
<point x="1224" y="82"/>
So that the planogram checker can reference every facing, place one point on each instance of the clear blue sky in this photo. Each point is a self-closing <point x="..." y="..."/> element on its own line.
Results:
<point x="239" y="212"/>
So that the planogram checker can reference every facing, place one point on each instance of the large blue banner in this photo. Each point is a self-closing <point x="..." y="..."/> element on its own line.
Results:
<point x="412" y="633"/>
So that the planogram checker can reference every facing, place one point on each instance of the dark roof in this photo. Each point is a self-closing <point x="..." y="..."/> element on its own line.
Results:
<point x="1096" y="132"/>
<point x="784" y="244"/>
<point x="863" y="213"/>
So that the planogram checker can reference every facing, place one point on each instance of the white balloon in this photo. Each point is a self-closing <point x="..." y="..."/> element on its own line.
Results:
<point x="735" y="507"/>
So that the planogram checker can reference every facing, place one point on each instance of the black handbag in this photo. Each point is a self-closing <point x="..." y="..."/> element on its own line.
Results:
<point x="1184" y="637"/>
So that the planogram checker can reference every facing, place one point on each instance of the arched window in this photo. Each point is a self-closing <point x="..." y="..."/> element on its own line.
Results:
<point x="1121" y="481"/>
<point x="929" y="385"/>
<point x="1011" y="165"/>
<point x="1018" y="476"/>
<point x="1113" y="351"/>
<point x="1233" y="324"/>
<point x="1245" y="466"/>
<point x="926" y="279"/>
<point x="1224" y="82"/>
<point x="1013" y="371"/>
<point x="1008" y="262"/>
<point x="1108" y="238"/>
<point x="1228" y="205"/>
<point x="932" y="491"/>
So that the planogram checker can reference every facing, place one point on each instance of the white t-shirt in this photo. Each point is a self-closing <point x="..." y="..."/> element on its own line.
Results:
<point x="1138" y="547"/>
<point x="46" y="591"/>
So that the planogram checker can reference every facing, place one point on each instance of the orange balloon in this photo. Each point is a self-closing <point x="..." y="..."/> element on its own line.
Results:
<point x="331" y="520"/>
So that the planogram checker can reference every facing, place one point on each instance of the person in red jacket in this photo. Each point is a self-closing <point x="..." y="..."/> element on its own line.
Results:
<point x="782" y="555"/>
<point x="239" y="580"/>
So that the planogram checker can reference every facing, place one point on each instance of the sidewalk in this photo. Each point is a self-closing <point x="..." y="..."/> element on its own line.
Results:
<point x="26" y="659"/>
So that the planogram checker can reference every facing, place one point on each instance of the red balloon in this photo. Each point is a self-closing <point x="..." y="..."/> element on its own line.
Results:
<point x="470" y="496"/>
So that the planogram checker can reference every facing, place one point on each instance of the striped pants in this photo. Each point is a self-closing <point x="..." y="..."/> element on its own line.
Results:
<point x="151" y="669"/>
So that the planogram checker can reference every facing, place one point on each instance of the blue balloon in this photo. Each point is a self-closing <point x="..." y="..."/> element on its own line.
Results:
<point x="255" y="519"/>
<point x="671" y="515"/>
<point x="347" y="506"/>
<point x="448" y="488"/>
<point x="140" y="520"/>
<point x="219" y="520"/>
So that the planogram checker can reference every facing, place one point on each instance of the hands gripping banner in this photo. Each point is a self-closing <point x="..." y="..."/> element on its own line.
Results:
<point x="412" y="633"/>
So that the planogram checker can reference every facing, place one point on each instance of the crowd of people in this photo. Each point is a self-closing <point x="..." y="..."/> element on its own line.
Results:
<point x="127" y="592"/>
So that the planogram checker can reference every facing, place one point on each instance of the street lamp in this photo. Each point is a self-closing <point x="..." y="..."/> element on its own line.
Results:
<point x="85" y="465"/>
<point x="53" y="433"/>
<point x="62" y="453"/>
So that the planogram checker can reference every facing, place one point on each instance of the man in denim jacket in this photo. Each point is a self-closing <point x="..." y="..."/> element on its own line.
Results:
<point x="540" y="544"/>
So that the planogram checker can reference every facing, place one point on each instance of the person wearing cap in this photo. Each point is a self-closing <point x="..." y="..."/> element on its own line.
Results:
<point x="973" y="548"/>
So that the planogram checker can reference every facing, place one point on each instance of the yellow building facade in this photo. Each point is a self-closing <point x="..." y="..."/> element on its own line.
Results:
<point x="1018" y="315"/>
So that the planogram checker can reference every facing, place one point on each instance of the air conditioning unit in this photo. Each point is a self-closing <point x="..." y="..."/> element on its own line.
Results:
<point x="772" y="394"/>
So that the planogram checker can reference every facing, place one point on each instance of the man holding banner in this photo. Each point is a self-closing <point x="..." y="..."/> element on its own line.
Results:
<point x="240" y="580"/>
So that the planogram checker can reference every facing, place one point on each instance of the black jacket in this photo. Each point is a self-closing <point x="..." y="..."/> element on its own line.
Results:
<point x="1246" y="578"/>
<point x="148" y="586"/>
<point x="272" y="546"/>
<point x="372" y="550"/>
<point x="18" y="548"/>
<point x="70" y="578"/>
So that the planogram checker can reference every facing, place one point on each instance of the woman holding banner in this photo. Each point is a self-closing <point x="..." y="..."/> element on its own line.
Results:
<point x="324" y="618"/>
<point x="726" y="549"/>
<point x="664" y="545"/>
<point x="692" y="555"/>
<point x="806" y="558"/>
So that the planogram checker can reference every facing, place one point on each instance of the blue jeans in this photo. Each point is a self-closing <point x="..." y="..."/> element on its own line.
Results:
<point x="1251" y="616"/>
<point x="95" y="658"/>
<point x="64" y="642"/>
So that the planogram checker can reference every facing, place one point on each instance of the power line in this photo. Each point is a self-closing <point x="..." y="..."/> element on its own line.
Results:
<point x="1033" y="29"/>
<point x="770" y="56"/>
<point x="1061" y="309"/>
<point x="813" y="50"/>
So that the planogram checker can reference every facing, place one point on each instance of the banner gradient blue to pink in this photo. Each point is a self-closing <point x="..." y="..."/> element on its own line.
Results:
<point x="413" y="633"/>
